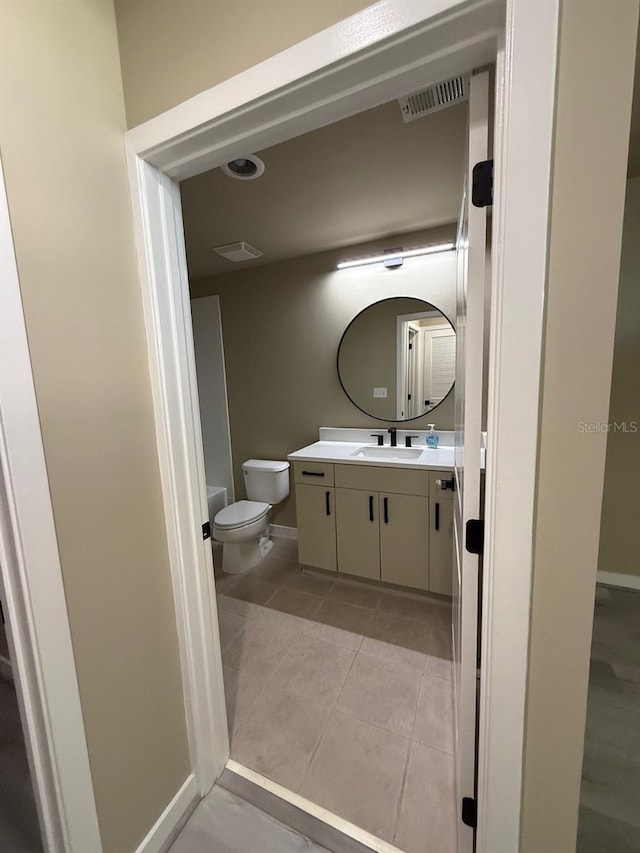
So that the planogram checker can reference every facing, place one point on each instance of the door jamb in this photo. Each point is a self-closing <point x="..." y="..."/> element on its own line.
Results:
<point x="359" y="63"/>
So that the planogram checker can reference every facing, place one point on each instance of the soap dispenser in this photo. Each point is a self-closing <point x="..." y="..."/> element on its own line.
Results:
<point x="432" y="436"/>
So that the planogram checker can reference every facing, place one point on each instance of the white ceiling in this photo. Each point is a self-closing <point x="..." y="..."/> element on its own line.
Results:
<point x="363" y="178"/>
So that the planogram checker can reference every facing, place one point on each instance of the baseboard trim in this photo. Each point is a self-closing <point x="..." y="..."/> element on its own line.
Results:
<point x="283" y="532"/>
<point x="165" y="830"/>
<point x="309" y="819"/>
<point x="619" y="579"/>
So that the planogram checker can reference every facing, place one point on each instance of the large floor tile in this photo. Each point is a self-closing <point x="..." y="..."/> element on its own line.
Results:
<point x="358" y="620"/>
<point x="332" y="635"/>
<point x="427" y="818"/>
<point x="279" y="735"/>
<point x="286" y="620"/>
<point x="439" y="667"/>
<point x="259" y="648"/>
<point x="381" y="692"/>
<point x="247" y="588"/>
<point x="231" y="625"/>
<point x="438" y="643"/>
<point x="408" y="606"/>
<point x="360" y="595"/>
<point x="357" y="773"/>
<point x="274" y="570"/>
<point x="434" y="714"/>
<point x="237" y="605"/>
<point x="285" y="549"/>
<point x="315" y="584"/>
<point x="241" y="689"/>
<point x="296" y="603"/>
<point x="314" y="669"/>
<point x="393" y="654"/>
<point x="397" y="631"/>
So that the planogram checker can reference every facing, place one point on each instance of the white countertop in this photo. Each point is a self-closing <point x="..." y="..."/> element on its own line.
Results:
<point x="440" y="459"/>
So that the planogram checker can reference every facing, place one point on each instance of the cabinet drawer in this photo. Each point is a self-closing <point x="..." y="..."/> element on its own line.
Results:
<point x="314" y="473"/>
<point x="401" y="481"/>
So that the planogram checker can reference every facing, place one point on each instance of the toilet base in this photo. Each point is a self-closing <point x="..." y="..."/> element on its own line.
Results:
<point x="241" y="557"/>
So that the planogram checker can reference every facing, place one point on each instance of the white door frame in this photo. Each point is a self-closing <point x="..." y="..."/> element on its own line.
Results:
<point x="388" y="49"/>
<point x="33" y="590"/>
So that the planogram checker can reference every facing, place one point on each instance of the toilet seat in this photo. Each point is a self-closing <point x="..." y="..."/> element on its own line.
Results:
<point x="240" y="514"/>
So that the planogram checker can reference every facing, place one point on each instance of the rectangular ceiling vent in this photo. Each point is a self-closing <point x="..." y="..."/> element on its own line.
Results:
<point x="434" y="98"/>
<point x="237" y="252"/>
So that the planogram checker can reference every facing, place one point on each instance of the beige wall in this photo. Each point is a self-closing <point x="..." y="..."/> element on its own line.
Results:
<point x="282" y="324"/>
<point x="61" y="124"/>
<point x="620" y="532"/>
<point x="172" y="49"/>
<point x="596" y="59"/>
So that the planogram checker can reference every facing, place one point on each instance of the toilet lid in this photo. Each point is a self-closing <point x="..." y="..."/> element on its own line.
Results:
<point x="241" y="512"/>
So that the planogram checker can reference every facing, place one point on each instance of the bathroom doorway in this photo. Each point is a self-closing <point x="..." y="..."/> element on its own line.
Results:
<point x="160" y="153"/>
<point x="331" y="679"/>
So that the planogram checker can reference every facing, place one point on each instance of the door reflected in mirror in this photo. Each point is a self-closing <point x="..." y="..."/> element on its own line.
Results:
<point x="397" y="359"/>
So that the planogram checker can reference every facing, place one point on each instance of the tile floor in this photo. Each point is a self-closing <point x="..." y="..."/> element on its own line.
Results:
<point x="341" y="692"/>
<point x="610" y="794"/>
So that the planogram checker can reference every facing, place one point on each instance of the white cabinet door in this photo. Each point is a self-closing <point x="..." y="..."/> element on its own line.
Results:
<point x="404" y="540"/>
<point x="315" y="508"/>
<point x="358" y="533"/>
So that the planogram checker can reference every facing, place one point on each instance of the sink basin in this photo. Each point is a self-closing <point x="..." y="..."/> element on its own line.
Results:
<point x="390" y="453"/>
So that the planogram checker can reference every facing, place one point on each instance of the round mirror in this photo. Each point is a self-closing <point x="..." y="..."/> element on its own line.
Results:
<point x="397" y="359"/>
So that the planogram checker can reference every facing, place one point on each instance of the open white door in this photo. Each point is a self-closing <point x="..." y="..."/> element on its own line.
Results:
<point x="472" y="249"/>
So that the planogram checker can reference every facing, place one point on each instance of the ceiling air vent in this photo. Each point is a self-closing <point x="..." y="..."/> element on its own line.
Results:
<point x="434" y="98"/>
<point x="237" y="252"/>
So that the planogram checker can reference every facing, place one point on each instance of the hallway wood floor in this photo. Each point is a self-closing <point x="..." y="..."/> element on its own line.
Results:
<point x="610" y="794"/>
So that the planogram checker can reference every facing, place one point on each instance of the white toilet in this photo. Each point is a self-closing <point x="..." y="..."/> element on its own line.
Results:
<point x="242" y="526"/>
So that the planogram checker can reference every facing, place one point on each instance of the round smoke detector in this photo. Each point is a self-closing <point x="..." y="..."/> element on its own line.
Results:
<point x="244" y="168"/>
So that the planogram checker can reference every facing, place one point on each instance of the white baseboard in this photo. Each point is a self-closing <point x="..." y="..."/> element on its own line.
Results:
<point x="163" y="833"/>
<point x="283" y="532"/>
<point x="619" y="579"/>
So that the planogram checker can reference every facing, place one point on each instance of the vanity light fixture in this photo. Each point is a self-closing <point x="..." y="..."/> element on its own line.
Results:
<point x="396" y="258"/>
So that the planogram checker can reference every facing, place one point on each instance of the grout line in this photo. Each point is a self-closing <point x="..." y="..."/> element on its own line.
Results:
<point x="331" y="709"/>
<point x="403" y="786"/>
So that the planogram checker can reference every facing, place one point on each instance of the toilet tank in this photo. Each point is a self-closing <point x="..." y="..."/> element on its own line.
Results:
<point x="265" y="480"/>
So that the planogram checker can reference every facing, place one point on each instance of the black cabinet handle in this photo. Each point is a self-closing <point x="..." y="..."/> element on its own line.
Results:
<point x="370" y="507"/>
<point x="437" y="516"/>
<point x="385" y="503"/>
<point x="313" y="473"/>
<point x="328" y="502"/>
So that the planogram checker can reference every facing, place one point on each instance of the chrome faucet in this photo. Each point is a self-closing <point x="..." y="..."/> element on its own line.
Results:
<point x="392" y="432"/>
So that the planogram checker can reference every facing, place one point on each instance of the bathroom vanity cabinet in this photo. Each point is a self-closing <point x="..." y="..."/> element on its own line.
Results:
<point x="389" y="524"/>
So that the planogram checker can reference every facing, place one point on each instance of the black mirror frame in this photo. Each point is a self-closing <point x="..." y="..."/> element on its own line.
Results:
<point x="350" y="398"/>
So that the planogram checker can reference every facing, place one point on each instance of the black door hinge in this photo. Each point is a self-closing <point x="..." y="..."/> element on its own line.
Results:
<point x="206" y="530"/>
<point x="482" y="184"/>
<point x="474" y="539"/>
<point x="469" y="812"/>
